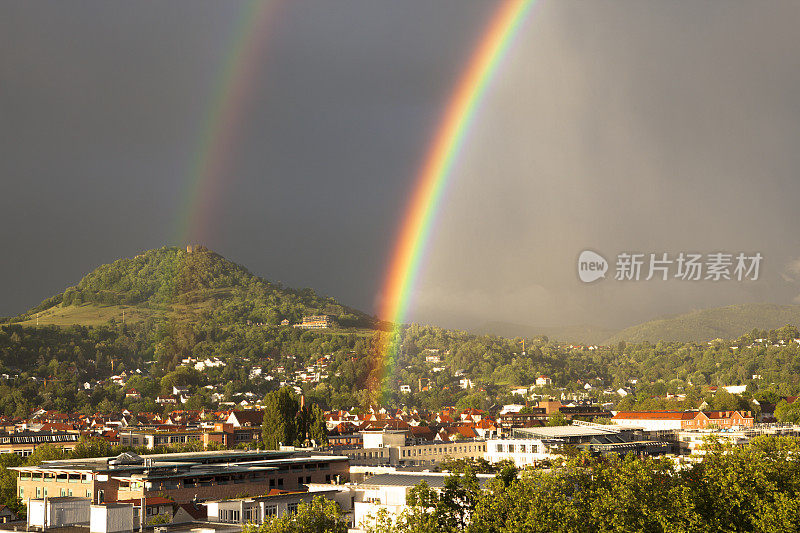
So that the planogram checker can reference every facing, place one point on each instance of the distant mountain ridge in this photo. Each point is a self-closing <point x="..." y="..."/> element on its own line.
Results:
<point x="580" y="334"/>
<point x="702" y="325"/>
<point x="727" y="322"/>
<point x="188" y="283"/>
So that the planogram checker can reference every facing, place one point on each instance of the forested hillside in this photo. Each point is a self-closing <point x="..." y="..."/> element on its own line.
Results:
<point x="197" y="284"/>
<point x="708" y="324"/>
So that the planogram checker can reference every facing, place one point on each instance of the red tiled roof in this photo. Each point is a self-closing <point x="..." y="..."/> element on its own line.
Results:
<point x="717" y="415"/>
<point x="249" y="418"/>
<point x="655" y="415"/>
<point x="195" y="511"/>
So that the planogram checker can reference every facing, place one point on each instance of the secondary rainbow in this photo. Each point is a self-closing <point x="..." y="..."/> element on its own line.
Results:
<point x="435" y="172"/>
<point x="223" y="120"/>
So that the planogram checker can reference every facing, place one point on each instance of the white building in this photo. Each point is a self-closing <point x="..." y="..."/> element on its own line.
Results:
<point x="58" y="511"/>
<point x="111" y="518"/>
<point x="389" y="492"/>
<point x="257" y="509"/>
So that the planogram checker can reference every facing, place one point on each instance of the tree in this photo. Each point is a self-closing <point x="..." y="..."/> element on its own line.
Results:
<point x="321" y="515"/>
<point x="280" y="418"/>
<point x="91" y="447"/>
<point x="788" y="412"/>
<point x="318" y="430"/>
<point x="557" y="419"/>
<point x="44" y="452"/>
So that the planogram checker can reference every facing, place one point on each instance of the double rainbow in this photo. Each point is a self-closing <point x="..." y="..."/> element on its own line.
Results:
<point x="226" y="113"/>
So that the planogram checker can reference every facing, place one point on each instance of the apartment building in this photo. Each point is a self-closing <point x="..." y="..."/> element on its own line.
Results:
<point x="181" y="477"/>
<point x="24" y="443"/>
<point x="223" y="433"/>
<point x="399" y="448"/>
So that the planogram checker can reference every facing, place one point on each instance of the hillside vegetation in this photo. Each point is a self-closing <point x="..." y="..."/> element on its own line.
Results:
<point x="708" y="324"/>
<point x="581" y="334"/>
<point x="187" y="285"/>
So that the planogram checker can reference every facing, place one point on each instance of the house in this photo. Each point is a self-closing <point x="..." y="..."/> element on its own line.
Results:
<point x="405" y="388"/>
<point x="133" y="394"/>
<point x="316" y="322"/>
<point x="249" y="417"/>
<point x="735" y="389"/>
<point x="654" y="420"/>
<point x="550" y="406"/>
<point x="543" y="381"/>
<point x="155" y="506"/>
<point x="466" y="383"/>
<point x="720" y="420"/>
<point x="471" y="415"/>
<point x="678" y="420"/>
<point x="6" y="514"/>
<point x="456" y="433"/>
<point x="166" y="400"/>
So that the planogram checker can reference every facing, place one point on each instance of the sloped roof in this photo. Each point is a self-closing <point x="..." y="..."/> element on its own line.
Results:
<point x="250" y="417"/>
<point x="655" y="415"/>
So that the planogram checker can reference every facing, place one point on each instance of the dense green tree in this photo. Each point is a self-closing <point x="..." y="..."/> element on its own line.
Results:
<point x="320" y="516"/>
<point x="788" y="412"/>
<point x="280" y="424"/>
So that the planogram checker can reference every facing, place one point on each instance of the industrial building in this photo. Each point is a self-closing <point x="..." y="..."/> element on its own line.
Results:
<point x="181" y="477"/>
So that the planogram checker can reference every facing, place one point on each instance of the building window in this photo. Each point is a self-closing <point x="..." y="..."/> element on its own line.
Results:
<point x="280" y="482"/>
<point x="308" y="479"/>
<point x="300" y="481"/>
<point x="270" y="510"/>
<point x="21" y="492"/>
<point x="291" y="508"/>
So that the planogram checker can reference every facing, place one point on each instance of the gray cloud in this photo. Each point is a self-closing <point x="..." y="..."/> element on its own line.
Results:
<point x="625" y="125"/>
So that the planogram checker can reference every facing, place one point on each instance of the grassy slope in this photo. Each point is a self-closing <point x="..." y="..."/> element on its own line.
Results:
<point x="721" y="322"/>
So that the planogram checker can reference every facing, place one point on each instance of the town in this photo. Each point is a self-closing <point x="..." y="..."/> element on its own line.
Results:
<point x="209" y="466"/>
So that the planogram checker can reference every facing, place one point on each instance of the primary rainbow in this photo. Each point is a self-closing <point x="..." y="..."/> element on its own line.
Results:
<point x="436" y="169"/>
<point x="222" y="121"/>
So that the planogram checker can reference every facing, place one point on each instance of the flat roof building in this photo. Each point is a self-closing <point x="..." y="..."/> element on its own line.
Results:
<point x="181" y="477"/>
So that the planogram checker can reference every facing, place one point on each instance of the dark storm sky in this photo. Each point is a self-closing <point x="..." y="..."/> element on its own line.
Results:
<point x="614" y="126"/>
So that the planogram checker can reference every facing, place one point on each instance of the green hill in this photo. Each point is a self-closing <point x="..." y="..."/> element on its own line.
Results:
<point x="707" y="324"/>
<point x="186" y="286"/>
